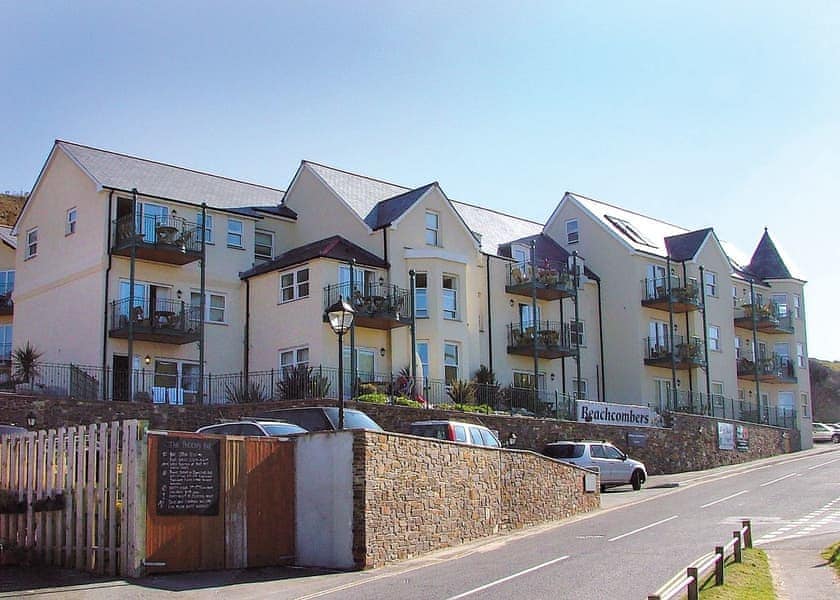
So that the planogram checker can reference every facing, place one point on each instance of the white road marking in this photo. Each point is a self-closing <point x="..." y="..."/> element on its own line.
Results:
<point x="782" y="478"/>
<point x="508" y="578"/>
<point x="624" y="535"/>
<point x="724" y="499"/>
<point x="823" y="464"/>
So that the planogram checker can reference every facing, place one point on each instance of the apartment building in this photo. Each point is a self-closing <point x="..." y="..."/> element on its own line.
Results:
<point x="232" y="277"/>
<point x="691" y="319"/>
<point x="8" y="247"/>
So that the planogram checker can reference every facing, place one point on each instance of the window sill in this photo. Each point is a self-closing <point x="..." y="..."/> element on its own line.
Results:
<point x="292" y="300"/>
<point x="232" y="247"/>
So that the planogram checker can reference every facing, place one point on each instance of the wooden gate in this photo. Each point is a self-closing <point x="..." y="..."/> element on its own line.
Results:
<point x="219" y="502"/>
<point x="73" y="497"/>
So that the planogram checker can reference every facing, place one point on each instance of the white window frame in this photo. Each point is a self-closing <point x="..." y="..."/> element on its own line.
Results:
<point x="456" y="365"/>
<point x="70" y="221"/>
<point x="295" y="352"/>
<point x="31" y="243"/>
<point x="737" y="347"/>
<point x="800" y="355"/>
<point x="424" y="365"/>
<point x="7" y="281"/>
<point x="710" y="283"/>
<point x="421" y="313"/>
<point x="716" y="391"/>
<point x="298" y="286"/>
<point x="797" y="306"/>
<point x="572" y="231"/>
<point x="580" y="389"/>
<point x="780" y="303"/>
<point x="530" y="376"/>
<point x="208" y="305"/>
<point x="445" y="293"/>
<point x="577" y="328"/>
<point x="433" y="231"/>
<point x="207" y="229"/>
<point x="233" y="234"/>
<point x="270" y="235"/>
<point x="803" y="397"/>
<point x="6" y="332"/>
<point x="714" y="338"/>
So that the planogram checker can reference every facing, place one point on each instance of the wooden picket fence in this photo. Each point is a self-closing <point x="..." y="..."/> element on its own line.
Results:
<point x="75" y="497"/>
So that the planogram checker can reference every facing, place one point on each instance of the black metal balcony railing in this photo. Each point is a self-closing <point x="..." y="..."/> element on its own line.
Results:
<point x="159" y="238"/>
<point x="665" y="351"/>
<point x="377" y="305"/>
<point x="552" y="278"/>
<point x="775" y="368"/>
<point x="716" y="405"/>
<point x="766" y="317"/>
<point x="681" y="299"/>
<point x="167" y="321"/>
<point x="550" y="339"/>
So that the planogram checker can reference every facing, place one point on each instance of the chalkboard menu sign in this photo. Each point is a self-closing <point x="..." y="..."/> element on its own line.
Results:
<point x="188" y="476"/>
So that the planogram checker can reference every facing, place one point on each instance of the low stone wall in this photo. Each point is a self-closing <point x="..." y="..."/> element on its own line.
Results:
<point x="412" y="496"/>
<point x="690" y="444"/>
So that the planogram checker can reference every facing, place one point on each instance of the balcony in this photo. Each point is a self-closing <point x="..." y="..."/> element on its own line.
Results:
<point x="775" y="369"/>
<point x="7" y="307"/>
<point x="552" y="338"/>
<point x="171" y="321"/>
<point x="163" y="239"/>
<point x="767" y="318"/>
<point x="682" y="298"/>
<point x="682" y="354"/>
<point x="377" y="306"/>
<point x="553" y="280"/>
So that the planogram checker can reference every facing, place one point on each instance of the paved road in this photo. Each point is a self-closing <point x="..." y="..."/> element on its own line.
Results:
<point x="627" y="550"/>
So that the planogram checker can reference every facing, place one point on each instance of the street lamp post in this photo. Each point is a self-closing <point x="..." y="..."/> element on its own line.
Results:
<point x="340" y="316"/>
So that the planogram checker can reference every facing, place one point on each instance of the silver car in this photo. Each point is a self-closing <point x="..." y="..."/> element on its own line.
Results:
<point x="253" y="427"/>
<point x="825" y="433"/>
<point x="615" y="467"/>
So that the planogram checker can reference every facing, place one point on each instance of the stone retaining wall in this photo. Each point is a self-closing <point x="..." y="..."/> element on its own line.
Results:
<point x="412" y="496"/>
<point x="690" y="444"/>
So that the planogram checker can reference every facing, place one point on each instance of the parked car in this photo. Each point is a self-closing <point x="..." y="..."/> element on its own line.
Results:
<point x="322" y="418"/>
<point x="11" y="430"/>
<point x="825" y="433"/>
<point x="614" y="466"/>
<point x="253" y="427"/>
<point x="456" y="431"/>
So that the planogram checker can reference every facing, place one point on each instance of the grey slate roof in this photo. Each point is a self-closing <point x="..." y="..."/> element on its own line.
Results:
<point x="378" y="203"/>
<point x="7" y="237"/>
<point x="766" y="262"/>
<point x="546" y="249"/>
<point x="121" y="172"/>
<point x="335" y="247"/>
<point x="685" y="246"/>
<point x="388" y="211"/>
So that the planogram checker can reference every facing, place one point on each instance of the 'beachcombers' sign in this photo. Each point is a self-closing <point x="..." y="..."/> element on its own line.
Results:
<point x="603" y="413"/>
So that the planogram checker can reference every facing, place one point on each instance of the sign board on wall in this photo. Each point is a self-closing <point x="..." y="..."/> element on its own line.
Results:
<point x="604" y="413"/>
<point x="742" y="438"/>
<point x="188" y="476"/>
<point x="726" y="436"/>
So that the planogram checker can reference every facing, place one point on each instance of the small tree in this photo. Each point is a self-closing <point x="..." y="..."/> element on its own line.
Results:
<point x="486" y="386"/>
<point x="299" y="382"/>
<point x="462" y="392"/>
<point x="25" y="361"/>
<point x="245" y="393"/>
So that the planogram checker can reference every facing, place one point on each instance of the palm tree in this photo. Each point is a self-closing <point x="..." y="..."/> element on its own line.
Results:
<point x="25" y="361"/>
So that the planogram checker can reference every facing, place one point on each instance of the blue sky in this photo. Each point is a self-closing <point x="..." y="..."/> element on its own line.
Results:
<point x="719" y="115"/>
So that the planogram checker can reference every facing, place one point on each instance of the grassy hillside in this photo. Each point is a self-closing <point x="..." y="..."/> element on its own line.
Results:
<point x="825" y="389"/>
<point x="10" y="205"/>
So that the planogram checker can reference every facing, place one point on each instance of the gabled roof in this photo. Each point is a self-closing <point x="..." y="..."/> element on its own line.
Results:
<point x="767" y="261"/>
<point x="495" y="228"/>
<point x="335" y="247"/>
<point x="7" y="237"/>
<point x="379" y="203"/>
<point x="116" y="171"/>
<point x="685" y="246"/>
<point x="387" y="211"/>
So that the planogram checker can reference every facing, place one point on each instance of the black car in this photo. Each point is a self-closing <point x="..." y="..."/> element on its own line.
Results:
<point x="12" y="430"/>
<point x="322" y="418"/>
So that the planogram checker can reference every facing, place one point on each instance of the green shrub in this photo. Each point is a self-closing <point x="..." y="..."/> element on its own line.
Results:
<point x="364" y="389"/>
<point x="374" y="398"/>
<point x="462" y="392"/>
<point x="404" y="401"/>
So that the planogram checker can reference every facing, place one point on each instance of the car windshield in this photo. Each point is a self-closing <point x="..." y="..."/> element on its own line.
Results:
<point x="564" y="450"/>
<point x="282" y="428"/>
<point x="353" y="419"/>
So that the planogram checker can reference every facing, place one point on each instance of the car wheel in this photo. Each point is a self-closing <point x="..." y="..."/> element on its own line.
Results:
<point x="636" y="480"/>
<point x="836" y="438"/>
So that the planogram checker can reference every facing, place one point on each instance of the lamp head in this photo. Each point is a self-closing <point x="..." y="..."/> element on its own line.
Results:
<point x="340" y="316"/>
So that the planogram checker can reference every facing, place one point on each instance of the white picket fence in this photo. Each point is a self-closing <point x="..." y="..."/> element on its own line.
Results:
<point x="100" y="472"/>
